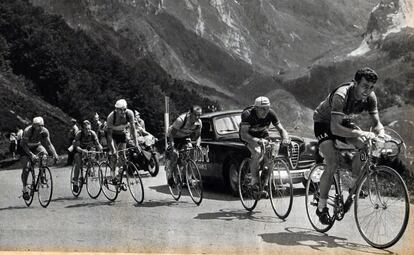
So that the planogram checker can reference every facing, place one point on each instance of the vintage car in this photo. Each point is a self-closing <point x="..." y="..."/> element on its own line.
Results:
<point x="224" y="151"/>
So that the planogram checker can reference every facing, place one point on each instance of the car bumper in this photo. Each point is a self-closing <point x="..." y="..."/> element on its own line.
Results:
<point x="297" y="175"/>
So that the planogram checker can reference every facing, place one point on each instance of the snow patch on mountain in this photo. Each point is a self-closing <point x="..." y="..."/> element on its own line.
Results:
<point x="200" y="26"/>
<point x="361" y="50"/>
<point x="401" y="18"/>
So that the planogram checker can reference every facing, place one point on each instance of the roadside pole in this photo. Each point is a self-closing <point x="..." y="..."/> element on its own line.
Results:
<point x="166" y="119"/>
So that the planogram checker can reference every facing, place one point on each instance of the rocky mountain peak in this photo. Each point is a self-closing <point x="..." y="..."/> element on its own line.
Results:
<point x="387" y="17"/>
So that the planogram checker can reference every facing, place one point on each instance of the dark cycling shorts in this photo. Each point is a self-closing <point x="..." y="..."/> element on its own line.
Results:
<point x="260" y="135"/>
<point x="323" y="133"/>
<point x="179" y="142"/>
<point x="119" y="137"/>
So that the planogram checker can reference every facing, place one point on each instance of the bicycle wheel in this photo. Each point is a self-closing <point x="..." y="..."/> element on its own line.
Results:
<point x="45" y="186"/>
<point x="93" y="180"/>
<point x="134" y="182"/>
<point x="281" y="189"/>
<point x="312" y="198"/>
<point x="382" y="216"/>
<point x="109" y="189"/>
<point x="194" y="182"/>
<point x="154" y="165"/>
<point x="80" y="185"/>
<point x="246" y="193"/>
<point x="176" y="189"/>
<point x="31" y="186"/>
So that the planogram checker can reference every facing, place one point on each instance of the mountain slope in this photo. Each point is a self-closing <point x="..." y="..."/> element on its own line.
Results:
<point x="81" y="75"/>
<point x="231" y="46"/>
<point x="18" y="106"/>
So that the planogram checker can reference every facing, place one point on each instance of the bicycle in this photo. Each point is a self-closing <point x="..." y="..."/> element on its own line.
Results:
<point x="111" y="186"/>
<point x="42" y="183"/>
<point x="279" y="186"/>
<point x="379" y="188"/>
<point x="192" y="176"/>
<point x="89" y="175"/>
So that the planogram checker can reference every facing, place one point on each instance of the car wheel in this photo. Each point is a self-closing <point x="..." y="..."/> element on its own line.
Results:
<point x="232" y="177"/>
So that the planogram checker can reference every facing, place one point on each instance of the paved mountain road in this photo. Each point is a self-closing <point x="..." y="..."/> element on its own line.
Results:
<point x="162" y="225"/>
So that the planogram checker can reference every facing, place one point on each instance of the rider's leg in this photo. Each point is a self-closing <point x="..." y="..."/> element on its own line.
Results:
<point x="173" y="160"/>
<point x="356" y="161"/>
<point x="329" y="153"/>
<point x="113" y="160"/>
<point x="25" y="162"/>
<point x="122" y="156"/>
<point x="255" y="150"/>
<point x="77" y="158"/>
<point x="269" y="165"/>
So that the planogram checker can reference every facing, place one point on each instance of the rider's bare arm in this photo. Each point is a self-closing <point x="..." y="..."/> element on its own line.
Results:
<point x="50" y="147"/>
<point x="283" y="133"/>
<point x="96" y="142"/>
<point x="131" y="117"/>
<point x="378" y="127"/>
<point x="244" y="132"/>
<point x="110" y="140"/>
<point x="337" y="116"/>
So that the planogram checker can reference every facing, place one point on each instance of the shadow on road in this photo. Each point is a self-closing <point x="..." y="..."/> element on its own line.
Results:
<point x="230" y="215"/>
<point x="62" y="199"/>
<point x="315" y="240"/>
<point x="92" y="204"/>
<point x="209" y="192"/>
<point x="14" y="208"/>
<point x="149" y="204"/>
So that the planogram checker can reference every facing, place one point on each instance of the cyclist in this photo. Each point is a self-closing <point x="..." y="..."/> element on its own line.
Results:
<point x="254" y="126"/>
<point x="35" y="138"/>
<point x="85" y="140"/>
<point x="186" y="126"/>
<point x="118" y="123"/>
<point x="333" y="121"/>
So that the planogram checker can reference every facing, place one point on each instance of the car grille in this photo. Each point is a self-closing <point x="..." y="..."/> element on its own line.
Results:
<point x="294" y="154"/>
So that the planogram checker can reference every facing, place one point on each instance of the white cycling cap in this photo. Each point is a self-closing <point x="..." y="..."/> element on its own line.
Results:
<point x="262" y="101"/>
<point x="121" y="103"/>
<point x="38" y="121"/>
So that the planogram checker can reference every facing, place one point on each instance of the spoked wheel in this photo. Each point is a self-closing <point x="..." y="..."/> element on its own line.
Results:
<point x="312" y="198"/>
<point x="134" y="182"/>
<point x="45" y="186"/>
<point x="109" y="189"/>
<point x="31" y="188"/>
<point x="154" y="165"/>
<point x="176" y="189"/>
<point x="246" y="192"/>
<point x="194" y="182"/>
<point x="93" y="180"/>
<point x="382" y="216"/>
<point x="281" y="189"/>
<point x="80" y="181"/>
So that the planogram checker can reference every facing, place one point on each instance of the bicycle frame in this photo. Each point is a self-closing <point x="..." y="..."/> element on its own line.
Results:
<point x="367" y="167"/>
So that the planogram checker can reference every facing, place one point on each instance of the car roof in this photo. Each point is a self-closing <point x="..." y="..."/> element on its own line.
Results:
<point x="220" y="113"/>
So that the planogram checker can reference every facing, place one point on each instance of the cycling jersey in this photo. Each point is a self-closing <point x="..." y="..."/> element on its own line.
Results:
<point x="31" y="135"/>
<point x="184" y="127"/>
<point x="87" y="141"/>
<point x="258" y="127"/>
<point x="343" y="102"/>
<point x="118" y="122"/>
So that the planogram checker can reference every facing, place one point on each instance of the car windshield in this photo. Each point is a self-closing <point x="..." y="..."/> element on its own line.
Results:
<point x="227" y="124"/>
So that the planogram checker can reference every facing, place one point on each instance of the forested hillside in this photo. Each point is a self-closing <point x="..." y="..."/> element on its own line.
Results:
<point x="68" y="69"/>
